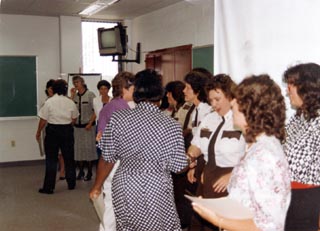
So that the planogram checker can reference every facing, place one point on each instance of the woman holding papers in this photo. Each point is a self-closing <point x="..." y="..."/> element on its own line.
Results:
<point x="57" y="116"/>
<point x="261" y="181"/>
<point x="122" y="90"/>
<point x="149" y="146"/>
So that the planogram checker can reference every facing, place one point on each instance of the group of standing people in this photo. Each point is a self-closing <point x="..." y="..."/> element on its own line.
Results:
<point x="77" y="144"/>
<point x="222" y="140"/>
<point x="278" y="176"/>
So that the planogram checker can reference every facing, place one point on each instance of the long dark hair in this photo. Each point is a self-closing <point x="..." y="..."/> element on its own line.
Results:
<point x="306" y="77"/>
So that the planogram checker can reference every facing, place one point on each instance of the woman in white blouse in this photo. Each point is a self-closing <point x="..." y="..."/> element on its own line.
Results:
<point x="261" y="181"/>
<point x="216" y="138"/>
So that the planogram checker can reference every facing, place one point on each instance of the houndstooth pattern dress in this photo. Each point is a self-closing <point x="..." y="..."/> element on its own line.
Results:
<point x="302" y="147"/>
<point x="149" y="146"/>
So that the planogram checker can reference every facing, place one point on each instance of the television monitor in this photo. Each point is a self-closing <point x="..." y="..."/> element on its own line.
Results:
<point x="112" y="41"/>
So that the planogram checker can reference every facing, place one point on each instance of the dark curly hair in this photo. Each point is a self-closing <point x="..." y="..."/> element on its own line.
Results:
<point x="203" y="71"/>
<point x="48" y="85"/>
<point x="103" y="83"/>
<point x="176" y="89"/>
<point x="224" y="83"/>
<point x="60" y="87"/>
<point x="198" y="82"/>
<point x="121" y="80"/>
<point x="148" y="86"/>
<point x="306" y="77"/>
<point x="260" y="100"/>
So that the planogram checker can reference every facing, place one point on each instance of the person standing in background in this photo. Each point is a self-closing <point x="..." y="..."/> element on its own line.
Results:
<point x="103" y="87"/>
<point x="302" y="146"/>
<point x="195" y="93"/>
<point x="122" y="91"/>
<point x="179" y="111"/>
<point x="58" y="113"/>
<point x="196" y="107"/>
<point x="49" y="93"/>
<point x="175" y="95"/>
<point x="85" y="129"/>
<point x="99" y="102"/>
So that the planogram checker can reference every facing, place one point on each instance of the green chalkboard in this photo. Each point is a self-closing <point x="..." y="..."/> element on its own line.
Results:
<point x="203" y="57"/>
<point x="18" y="86"/>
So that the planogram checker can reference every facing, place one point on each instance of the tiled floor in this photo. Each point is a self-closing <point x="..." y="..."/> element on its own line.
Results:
<point x="22" y="208"/>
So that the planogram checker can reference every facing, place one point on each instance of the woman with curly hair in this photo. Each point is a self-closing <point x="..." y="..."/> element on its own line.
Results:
<point x="302" y="146"/>
<point x="261" y="181"/>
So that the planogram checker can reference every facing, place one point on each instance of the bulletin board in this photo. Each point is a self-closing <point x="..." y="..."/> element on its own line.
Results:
<point x="18" y="86"/>
<point x="203" y="57"/>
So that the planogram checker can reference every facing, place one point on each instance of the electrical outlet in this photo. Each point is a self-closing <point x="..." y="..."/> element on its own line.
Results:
<point x="13" y="143"/>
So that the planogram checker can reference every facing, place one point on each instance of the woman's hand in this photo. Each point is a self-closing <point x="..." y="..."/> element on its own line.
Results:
<point x="88" y="127"/>
<point x="94" y="193"/>
<point x="38" y="135"/>
<point x="72" y="92"/>
<point x="221" y="184"/>
<point x="206" y="214"/>
<point x="190" y="176"/>
<point x="98" y="137"/>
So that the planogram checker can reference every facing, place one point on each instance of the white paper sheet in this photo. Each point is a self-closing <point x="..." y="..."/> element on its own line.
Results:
<point x="40" y="143"/>
<point x="224" y="207"/>
<point x="98" y="204"/>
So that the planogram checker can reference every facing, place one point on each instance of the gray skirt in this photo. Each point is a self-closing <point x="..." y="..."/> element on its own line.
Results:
<point x="85" y="144"/>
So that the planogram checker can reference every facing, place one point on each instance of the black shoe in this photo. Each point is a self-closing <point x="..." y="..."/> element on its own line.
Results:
<point x="71" y="187"/>
<point x="44" y="191"/>
<point x="88" y="177"/>
<point x="62" y="178"/>
<point x="80" y="176"/>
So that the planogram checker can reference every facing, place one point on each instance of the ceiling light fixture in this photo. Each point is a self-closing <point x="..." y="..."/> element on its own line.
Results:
<point x="97" y="6"/>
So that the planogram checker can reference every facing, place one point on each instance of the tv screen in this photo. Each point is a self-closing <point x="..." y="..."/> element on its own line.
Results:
<point x="108" y="39"/>
<point x="112" y="41"/>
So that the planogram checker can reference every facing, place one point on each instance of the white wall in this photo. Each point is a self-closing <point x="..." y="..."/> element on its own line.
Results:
<point x="71" y="44"/>
<point x="28" y="35"/>
<point x="179" y="24"/>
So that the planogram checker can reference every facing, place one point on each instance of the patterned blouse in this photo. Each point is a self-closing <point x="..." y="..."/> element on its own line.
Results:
<point x="149" y="145"/>
<point x="302" y="148"/>
<point x="261" y="182"/>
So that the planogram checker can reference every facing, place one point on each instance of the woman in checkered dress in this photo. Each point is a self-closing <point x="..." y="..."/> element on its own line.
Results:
<point x="149" y="146"/>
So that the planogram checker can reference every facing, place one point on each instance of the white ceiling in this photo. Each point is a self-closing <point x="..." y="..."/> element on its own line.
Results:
<point x="124" y="9"/>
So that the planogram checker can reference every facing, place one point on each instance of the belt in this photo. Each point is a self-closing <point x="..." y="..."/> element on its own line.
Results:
<point x="83" y="125"/>
<point x="298" y="185"/>
<point x="58" y="125"/>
